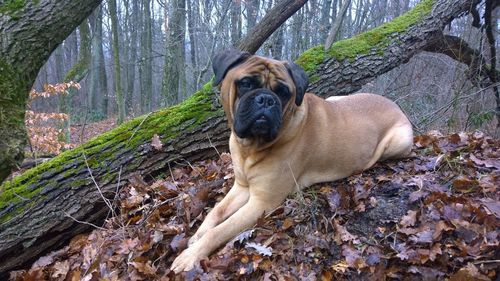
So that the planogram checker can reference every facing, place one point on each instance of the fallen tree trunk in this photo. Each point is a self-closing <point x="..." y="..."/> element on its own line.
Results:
<point x="40" y="208"/>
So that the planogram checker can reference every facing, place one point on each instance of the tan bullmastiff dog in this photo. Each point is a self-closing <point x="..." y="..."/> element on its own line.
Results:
<point x="283" y="139"/>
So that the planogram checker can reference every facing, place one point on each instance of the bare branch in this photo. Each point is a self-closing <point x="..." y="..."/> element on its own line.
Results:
<point x="271" y="21"/>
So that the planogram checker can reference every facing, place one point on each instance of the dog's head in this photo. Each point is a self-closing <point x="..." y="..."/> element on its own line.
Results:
<point x="257" y="92"/>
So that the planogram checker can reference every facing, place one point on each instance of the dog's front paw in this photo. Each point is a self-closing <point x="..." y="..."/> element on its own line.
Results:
<point x="187" y="259"/>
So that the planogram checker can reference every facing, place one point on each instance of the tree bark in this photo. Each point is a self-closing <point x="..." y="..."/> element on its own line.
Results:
<point x="38" y="209"/>
<point x="28" y="36"/>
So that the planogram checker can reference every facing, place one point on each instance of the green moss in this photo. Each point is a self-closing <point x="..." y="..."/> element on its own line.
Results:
<point x="314" y="78"/>
<point x="101" y="149"/>
<point x="10" y="7"/>
<point x="108" y="177"/>
<point x="379" y="37"/>
<point x="311" y="58"/>
<point x="78" y="182"/>
<point x="373" y="40"/>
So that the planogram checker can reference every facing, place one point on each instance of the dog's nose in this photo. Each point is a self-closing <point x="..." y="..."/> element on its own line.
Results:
<point x="265" y="100"/>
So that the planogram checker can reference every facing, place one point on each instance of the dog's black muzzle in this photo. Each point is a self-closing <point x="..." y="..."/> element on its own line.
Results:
<point x="259" y="114"/>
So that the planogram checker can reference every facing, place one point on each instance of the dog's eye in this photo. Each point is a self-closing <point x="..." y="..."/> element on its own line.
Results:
<point x="245" y="83"/>
<point x="282" y="92"/>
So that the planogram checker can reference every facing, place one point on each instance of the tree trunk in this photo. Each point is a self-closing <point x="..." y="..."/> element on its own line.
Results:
<point x="120" y="102"/>
<point x="78" y="71"/>
<point x="132" y="26"/>
<point x="98" y="83"/>
<point x="296" y="34"/>
<point x="332" y="35"/>
<point x="29" y="34"/>
<point x="174" y="74"/>
<point x="62" y="97"/>
<point x="252" y="7"/>
<point x="235" y="21"/>
<point x="325" y="19"/>
<point x="38" y="208"/>
<point x="191" y="22"/>
<point x="145" y="67"/>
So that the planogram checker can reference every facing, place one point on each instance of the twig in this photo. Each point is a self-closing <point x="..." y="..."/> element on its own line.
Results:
<point x="83" y="222"/>
<point x="487" y="261"/>
<point x="172" y="175"/>
<point x="139" y="126"/>
<point x="108" y="203"/>
<point x="193" y="168"/>
<point x="117" y="191"/>
<point x="212" y="145"/>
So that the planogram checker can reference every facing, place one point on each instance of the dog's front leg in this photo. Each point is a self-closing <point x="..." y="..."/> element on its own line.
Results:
<point x="234" y="199"/>
<point x="242" y="219"/>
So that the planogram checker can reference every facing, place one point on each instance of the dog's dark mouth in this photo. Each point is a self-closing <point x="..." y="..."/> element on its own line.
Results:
<point x="258" y="115"/>
<point x="261" y="126"/>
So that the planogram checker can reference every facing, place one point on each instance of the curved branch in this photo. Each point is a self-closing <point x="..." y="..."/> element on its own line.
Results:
<point x="459" y="50"/>
<point x="271" y="21"/>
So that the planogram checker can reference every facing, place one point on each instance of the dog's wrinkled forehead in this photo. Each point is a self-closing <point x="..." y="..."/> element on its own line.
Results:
<point x="267" y="71"/>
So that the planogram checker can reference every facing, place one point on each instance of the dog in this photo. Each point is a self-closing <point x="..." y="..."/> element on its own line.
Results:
<point x="283" y="139"/>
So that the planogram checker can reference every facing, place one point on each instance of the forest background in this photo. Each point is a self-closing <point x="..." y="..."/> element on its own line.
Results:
<point x="163" y="52"/>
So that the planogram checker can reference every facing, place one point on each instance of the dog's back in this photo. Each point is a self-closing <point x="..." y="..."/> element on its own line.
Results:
<point x="361" y="130"/>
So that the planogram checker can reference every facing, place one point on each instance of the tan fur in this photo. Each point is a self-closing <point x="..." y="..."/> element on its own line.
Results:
<point x="321" y="140"/>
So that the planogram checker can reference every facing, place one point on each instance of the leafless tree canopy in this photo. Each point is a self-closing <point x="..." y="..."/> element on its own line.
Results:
<point x="165" y="48"/>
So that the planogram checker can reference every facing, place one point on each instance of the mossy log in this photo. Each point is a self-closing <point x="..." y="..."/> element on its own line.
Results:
<point x="39" y="209"/>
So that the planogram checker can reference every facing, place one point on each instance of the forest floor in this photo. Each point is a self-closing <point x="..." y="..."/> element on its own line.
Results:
<point x="434" y="215"/>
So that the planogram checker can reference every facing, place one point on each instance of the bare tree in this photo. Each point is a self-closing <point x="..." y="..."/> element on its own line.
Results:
<point x="173" y="86"/>
<point x="336" y="25"/>
<point x="98" y="92"/>
<point x="116" y="58"/>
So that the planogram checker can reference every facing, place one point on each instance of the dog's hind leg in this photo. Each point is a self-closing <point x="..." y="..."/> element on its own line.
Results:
<point x="397" y="143"/>
<point x="400" y="142"/>
<point x="234" y="199"/>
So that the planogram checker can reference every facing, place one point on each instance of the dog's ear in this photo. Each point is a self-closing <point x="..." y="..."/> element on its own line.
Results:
<point x="300" y="80"/>
<point x="225" y="60"/>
